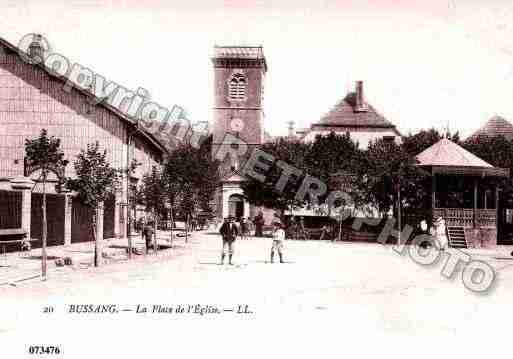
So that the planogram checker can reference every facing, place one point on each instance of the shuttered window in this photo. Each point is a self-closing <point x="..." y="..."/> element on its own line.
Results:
<point x="237" y="87"/>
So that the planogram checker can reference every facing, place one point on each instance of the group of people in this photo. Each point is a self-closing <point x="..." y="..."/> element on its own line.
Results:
<point x="438" y="231"/>
<point x="230" y="231"/>
<point x="246" y="226"/>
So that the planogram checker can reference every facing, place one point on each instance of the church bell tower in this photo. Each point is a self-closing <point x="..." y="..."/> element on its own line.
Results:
<point x="239" y="73"/>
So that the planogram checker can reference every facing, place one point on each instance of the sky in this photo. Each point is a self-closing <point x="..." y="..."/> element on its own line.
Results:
<point x="439" y="63"/>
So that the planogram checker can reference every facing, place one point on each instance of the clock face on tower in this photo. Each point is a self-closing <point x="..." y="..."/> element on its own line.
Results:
<point x="236" y="125"/>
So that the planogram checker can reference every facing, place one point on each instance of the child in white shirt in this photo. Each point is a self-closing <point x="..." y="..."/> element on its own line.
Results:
<point x="278" y="239"/>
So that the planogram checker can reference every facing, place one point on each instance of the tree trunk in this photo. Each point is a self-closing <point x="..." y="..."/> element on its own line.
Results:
<point x="96" y="232"/>
<point x="155" y="247"/>
<point x="45" y="233"/>
<point x="172" y="226"/>
<point x="128" y="236"/>
<point x="186" y="227"/>
<point x="340" y="226"/>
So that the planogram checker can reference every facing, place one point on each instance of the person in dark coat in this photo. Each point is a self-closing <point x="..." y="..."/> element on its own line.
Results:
<point x="243" y="226"/>
<point x="259" y="224"/>
<point x="148" y="234"/>
<point x="229" y="233"/>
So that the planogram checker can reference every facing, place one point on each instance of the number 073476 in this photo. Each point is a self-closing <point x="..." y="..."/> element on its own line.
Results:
<point x="43" y="349"/>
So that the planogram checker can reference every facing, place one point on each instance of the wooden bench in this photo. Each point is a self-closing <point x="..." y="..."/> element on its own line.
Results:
<point x="12" y="233"/>
<point x="12" y="236"/>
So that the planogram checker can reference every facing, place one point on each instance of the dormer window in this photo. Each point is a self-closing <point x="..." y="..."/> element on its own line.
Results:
<point x="389" y="139"/>
<point x="237" y="87"/>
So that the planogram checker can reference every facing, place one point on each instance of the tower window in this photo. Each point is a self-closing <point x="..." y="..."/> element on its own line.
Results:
<point x="237" y="87"/>
<point x="234" y="164"/>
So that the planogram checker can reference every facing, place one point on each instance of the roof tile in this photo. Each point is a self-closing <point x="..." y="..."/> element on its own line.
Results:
<point x="495" y="126"/>
<point x="344" y="114"/>
<point x="448" y="153"/>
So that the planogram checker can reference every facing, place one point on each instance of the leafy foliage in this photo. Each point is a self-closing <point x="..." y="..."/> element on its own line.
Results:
<point x="390" y="167"/>
<point x="331" y="154"/>
<point x="153" y="192"/>
<point x="96" y="181"/>
<point x="265" y="194"/>
<point x="380" y="173"/>
<point x="414" y="144"/>
<point x="191" y="178"/>
<point x="497" y="151"/>
<point x="370" y="177"/>
<point x="45" y="153"/>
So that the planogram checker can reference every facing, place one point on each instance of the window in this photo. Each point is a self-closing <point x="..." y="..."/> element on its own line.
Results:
<point x="234" y="163"/>
<point x="389" y="139"/>
<point x="237" y="87"/>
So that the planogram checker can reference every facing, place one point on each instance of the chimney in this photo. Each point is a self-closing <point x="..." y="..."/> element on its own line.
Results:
<point x="359" y="103"/>
<point x="36" y="49"/>
<point x="291" y="129"/>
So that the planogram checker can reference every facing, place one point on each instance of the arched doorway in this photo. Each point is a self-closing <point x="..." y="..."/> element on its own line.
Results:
<point x="236" y="206"/>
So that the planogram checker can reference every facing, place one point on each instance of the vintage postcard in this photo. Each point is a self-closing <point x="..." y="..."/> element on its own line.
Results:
<point x="256" y="179"/>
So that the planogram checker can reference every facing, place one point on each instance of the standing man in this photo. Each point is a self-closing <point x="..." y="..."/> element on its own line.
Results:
<point x="259" y="224"/>
<point x="243" y="228"/>
<point x="228" y="233"/>
<point x="148" y="234"/>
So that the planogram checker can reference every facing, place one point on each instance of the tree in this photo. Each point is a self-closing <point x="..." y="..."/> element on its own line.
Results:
<point x="328" y="158"/>
<point x="497" y="151"/>
<point x="187" y="206"/>
<point x="133" y="199"/>
<point x="44" y="153"/>
<point x="153" y="195"/>
<point x="95" y="182"/>
<point x="331" y="154"/>
<point x="293" y="153"/>
<point x="334" y="159"/>
<point x="390" y="177"/>
<point x="191" y="178"/>
<point x="171" y="189"/>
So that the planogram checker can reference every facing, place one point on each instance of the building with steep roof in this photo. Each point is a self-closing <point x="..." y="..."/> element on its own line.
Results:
<point x="32" y="98"/>
<point x="496" y="126"/>
<point x="355" y="116"/>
